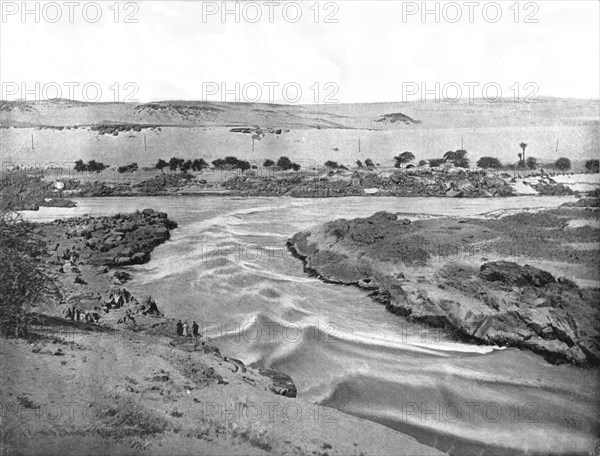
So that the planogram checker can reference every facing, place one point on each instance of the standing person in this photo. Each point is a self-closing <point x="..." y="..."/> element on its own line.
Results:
<point x="186" y="329"/>
<point x="179" y="328"/>
<point x="195" y="330"/>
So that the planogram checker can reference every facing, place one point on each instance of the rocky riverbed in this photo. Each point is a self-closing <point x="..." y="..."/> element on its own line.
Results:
<point x="30" y="193"/>
<point x="496" y="280"/>
<point x="457" y="184"/>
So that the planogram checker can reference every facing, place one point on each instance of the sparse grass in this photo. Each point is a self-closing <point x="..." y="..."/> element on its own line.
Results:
<point x="27" y="403"/>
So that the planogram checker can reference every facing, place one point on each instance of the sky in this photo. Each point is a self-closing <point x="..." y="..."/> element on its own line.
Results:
<point x="299" y="52"/>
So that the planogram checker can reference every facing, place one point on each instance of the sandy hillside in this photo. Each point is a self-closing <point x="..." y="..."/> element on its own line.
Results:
<point x="65" y="130"/>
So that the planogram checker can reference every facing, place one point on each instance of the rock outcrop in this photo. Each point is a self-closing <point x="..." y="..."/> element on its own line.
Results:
<point x="410" y="269"/>
<point x="115" y="241"/>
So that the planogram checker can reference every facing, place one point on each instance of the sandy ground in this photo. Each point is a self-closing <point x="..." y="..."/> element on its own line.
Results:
<point x="76" y="389"/>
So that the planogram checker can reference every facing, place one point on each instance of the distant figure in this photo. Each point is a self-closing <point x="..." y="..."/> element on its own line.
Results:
<point x="179" y="328"/>
<point x="186" y="329"/>
<point x="195" y="330"/>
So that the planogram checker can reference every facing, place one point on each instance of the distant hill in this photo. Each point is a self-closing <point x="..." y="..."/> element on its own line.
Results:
<point x="66" y="130"/>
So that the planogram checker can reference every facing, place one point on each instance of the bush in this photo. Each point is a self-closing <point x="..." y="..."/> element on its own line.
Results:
<point x="268" y="163"/>
<point x="489" y="163"/>
<point x="332" y="164"/>
<point x="435" y="162"/>
<point x="161" y="164"/>
<point x="132" y="167"/>
<point x="286" y="164"/>
<point x="199" y="164"/>
<point x="593" y="166"/>
<point x="231" y="163"/>
<point x="92" y="166"/>
<point x="461" y="162"/>
<point x="404" y="157"/>
<point x="175" y="163"/>
<point x="23" y="275"/>
<point x="532" y="162"/>
<point x="563" y="164"/>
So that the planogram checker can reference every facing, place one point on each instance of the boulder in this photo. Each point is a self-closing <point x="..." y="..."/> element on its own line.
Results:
<point x="513" y="274"/>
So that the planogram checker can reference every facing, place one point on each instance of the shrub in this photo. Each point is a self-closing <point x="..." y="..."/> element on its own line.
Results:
<point x="593" y="166"/>
<point x="461" y="162"/>
<point x="199" y="164"/>
<point x="92" y="166"/>
<point x="286" y="164"/>
<point x="161" y="164"/>
<point x="532" y="162"/>
<point x="489" y="163"/>
<point x="23" y="275"/>
<point x="130" y="168"/>
<point x="435" y="162"/>
<point x="563" y="164"/>
<point x="404" y="157"/>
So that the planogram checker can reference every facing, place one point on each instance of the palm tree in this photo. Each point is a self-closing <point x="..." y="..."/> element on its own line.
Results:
<point x="523" y="146"/>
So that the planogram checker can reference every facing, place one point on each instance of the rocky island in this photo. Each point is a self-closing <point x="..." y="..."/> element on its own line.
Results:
<point x="476" y="277"/>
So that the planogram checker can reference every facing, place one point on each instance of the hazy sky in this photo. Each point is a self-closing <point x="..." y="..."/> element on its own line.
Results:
<point x="354" y="51"/>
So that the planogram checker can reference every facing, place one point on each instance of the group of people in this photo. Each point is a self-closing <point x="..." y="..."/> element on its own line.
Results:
<point x="76" y="314"/>
<point x="183" y="329"/>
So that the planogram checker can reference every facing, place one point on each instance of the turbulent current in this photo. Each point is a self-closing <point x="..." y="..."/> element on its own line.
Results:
<point x="227" y="268"/>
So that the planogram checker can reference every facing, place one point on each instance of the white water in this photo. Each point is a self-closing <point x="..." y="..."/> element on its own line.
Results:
<point x="227" y="268"/>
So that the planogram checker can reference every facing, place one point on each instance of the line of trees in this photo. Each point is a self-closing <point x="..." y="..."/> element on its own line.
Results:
<point x="175" y="163"/>
<point x="284" y="163"/>
<point x="368" y="163"/>
<point x="91" y="166"/>
<point x="231" y="163"/>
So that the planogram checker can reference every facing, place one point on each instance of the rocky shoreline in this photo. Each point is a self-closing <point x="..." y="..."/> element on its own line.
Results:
<point x="438" y="272"/>
<point x="32" y="193"/>
<point x="87" y="253"/>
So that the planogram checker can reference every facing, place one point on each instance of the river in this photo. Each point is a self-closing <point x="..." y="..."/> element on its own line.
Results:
<point x="227" y="268"/>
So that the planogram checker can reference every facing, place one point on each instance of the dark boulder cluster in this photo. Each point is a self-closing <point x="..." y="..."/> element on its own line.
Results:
<point x="116" y="241"/>
<point x="24" y="193"/>
<point x="162" y="183"/>
<point x="98" y="188"/>
<point x="549" y="187"/>
<point x="294" y="186"/>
